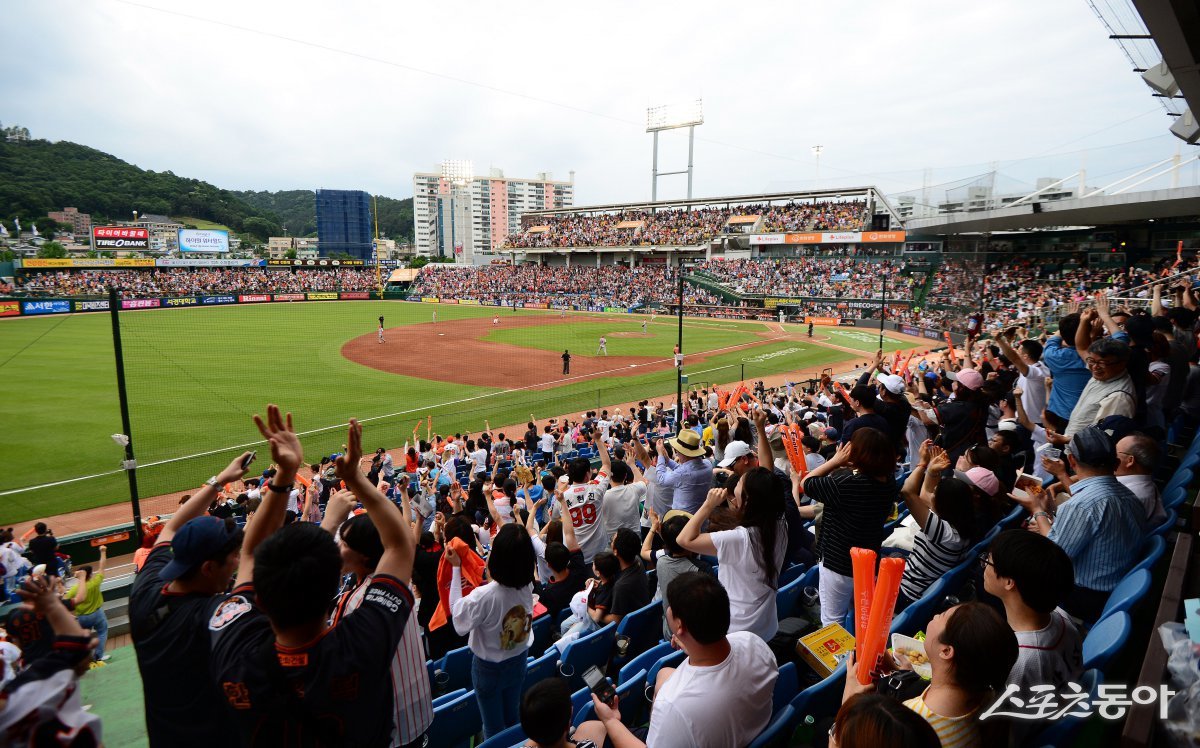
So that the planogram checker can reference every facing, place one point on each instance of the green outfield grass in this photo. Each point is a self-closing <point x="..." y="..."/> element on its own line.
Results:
<point x="862" y="339"/>
<point x="196" y="375"/>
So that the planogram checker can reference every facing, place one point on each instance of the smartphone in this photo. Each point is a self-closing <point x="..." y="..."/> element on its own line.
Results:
<point x="249" y="459"/>
<point x="599" y="685"/>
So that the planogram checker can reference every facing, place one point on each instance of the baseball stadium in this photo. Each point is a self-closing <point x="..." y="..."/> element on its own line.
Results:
<point x="825" y="465"/>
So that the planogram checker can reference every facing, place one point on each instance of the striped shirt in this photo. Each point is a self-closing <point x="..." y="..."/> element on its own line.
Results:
<point x="938" y="548"/>
<point x="954" y="732"/>
<point x="1101" y="528"/>
<point x="412" y="697"/>
<point x="856" y="508"/>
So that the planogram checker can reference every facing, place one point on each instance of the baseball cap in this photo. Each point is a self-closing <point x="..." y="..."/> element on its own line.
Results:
<point x="831" y="433"/>
<point x="1091" y="446"/>
<point x="892" y="383"/>
<point x="196" y="542"/>
<point x="1006" y="424"/>
<point x="982" y="478"/>
<point x="735" y="450"/>
<point x="968" y="378"/>
<point x="676" y="513"/>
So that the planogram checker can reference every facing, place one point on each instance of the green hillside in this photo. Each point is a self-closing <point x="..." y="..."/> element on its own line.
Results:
<point x="39" y="176"/>
<point x="296" y="210"/>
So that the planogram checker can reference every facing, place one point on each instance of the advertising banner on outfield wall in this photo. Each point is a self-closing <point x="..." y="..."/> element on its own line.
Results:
<point x="172" y="262"/>
<point x="253" y="298"/>
<point x="219" y="300"/>
<point x="469" y="302"/>
<point x="45" y="307"/>
<point x="823" y="320"/>
<point x="429" y="299"/>
<point x="120" y="237"/>
<point x="9" y="308"/>
<point x="355" y="295"/>
<point x="203" y="240"/>
<point x="141" y="303"/>
<point x="99" y="262"/>
<point x="95" y="305"/>
<point x="181" y="301"/>
<point x="616" y="310"/>
<point x="323" y="296"/>
<point x="289" y="297"/>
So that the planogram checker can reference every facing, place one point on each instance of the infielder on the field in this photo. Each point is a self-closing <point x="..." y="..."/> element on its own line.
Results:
<point x="603" y="346"/>
<point x="381" y="328"/>
<point x="643" y="326"/>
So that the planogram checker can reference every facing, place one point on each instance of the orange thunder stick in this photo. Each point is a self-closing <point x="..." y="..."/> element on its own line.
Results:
<point x="953" y="350"/>
<point x="871" y="645"/>
<point x="863" y="560"/>
<point x="904" y="366"/>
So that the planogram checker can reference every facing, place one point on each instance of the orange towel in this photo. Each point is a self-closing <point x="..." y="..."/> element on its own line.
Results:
<point x="472" y="574"/>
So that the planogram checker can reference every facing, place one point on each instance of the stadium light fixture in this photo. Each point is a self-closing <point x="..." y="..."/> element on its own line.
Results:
<point x="458" y="172"/>
<point x="673" y="117"/>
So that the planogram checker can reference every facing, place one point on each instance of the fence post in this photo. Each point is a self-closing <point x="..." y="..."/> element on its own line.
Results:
<point x="129" y="464"/>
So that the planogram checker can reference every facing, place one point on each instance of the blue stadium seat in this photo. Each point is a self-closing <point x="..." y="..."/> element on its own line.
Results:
<point x="643" y="627"/>
<point x="1152" y="551"/>
<point x="644" y="661"/>
<point x="671" y="660"/>
<point x="513" y="736"/>
<point x="1181" y="479"/>
<point x="456" y="723"/>
<point x="446" y="698"/>
<point x="1127" y="594"/>
<point x="579" y="700"/>
<point x="1105" y="640"/>
<point x="778" y="730"/>
<point x="593" y="649"/>
<point x="631" y="699"/>
<point x="921" y="611"/>
<point x="822" y="699"/>
<point x="790" y="574"/>
<point x="543" y="667"/>
<point x="787" y="685"/>
<point x="1062" y="731"/>
<point x="1173" y="498"/>
<point x="1167" y="523"/>
<point x="543" y="627"/>
<point x="1012" y="518"/>
<point x="786" y="597"/>
<point x="457" y="667"/>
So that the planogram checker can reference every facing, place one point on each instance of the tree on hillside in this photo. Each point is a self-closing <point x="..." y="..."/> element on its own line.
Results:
<point x="52" y="251"/>
<point x="260" y="228"/>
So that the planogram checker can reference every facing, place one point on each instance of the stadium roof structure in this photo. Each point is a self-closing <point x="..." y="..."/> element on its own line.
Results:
<point x="1098" y="210"/>
<point x="1174" y="26"/>
<point x="868" y="193"/>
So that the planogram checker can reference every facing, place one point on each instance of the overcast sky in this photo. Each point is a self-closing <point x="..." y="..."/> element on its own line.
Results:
<point x="265" y="94"/>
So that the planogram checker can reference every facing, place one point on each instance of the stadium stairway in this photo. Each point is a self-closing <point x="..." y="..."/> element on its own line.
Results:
<point x="115" y="693"/>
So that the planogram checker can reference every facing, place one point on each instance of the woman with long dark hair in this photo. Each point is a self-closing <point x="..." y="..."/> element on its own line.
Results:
<point x="858" y="489"/>
<point x="749" y="556"/>
<point x="498" y="619"/>
<point x="944" y="510"/>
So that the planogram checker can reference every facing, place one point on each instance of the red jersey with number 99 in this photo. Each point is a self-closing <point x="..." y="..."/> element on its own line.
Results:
<point x="583" y="505"/>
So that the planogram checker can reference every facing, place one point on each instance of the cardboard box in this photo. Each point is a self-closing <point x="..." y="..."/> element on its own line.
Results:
<point x="826" y="648"/>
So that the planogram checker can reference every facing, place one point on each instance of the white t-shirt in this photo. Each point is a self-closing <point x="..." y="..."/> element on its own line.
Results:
<point x="623" y="508"/>
<point x="547" y="442"/>
<point x="498" y="619"/>
<point x="751" y="599"/>
<point x="1033" y="389"/>
<point x="584" y="502"/>
<point x="478" y="461"/>
<point x="719" y="706"/>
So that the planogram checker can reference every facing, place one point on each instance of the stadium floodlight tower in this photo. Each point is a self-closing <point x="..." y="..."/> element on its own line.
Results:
<point x="674" y="117"/>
